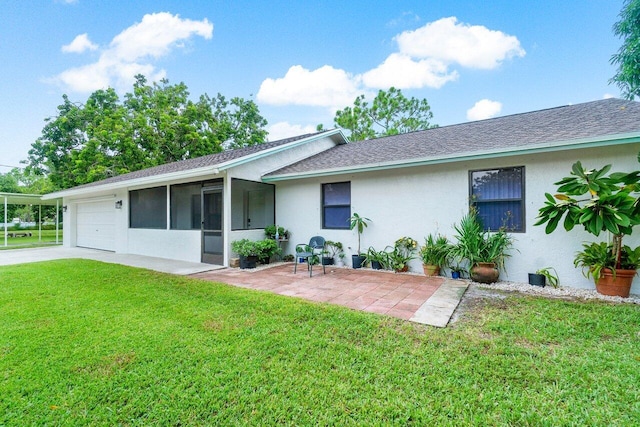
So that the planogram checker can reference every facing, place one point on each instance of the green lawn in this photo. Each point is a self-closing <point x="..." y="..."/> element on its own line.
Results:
<point x="48" y="238"/>
<point x="82" y="342"/>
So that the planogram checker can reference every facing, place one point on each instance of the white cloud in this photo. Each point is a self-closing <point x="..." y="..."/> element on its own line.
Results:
<point x="472" y="46"/>
<point x="484" y="109"/>
<point x="132" y="51"/>
<point x="402" y="72"/>
<point x="283" y="130"/>
<point x="425" y="58"/>
<point x="325" y="87"/>
<point x="608" y="96"/>
<point x="80" y="44"/>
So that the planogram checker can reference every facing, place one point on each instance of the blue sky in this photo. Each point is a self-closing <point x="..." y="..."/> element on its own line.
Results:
<point x="300" y="61"/>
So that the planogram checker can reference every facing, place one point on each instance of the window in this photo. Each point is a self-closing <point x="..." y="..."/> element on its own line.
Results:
<point x="185" y="206"/>
<point x="336" y="205"/>
<point x="148" y="208"/>
<point x="498" y="196"/>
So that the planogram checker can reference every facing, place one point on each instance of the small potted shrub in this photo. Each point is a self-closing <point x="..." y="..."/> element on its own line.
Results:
<point x="543" y="276"/>
<point x="247" y="251"/>
<point x="265" y="249"/>
<point x="456" y="271"/>
<point x="485" y="251"/>
<point x="359" y="223"/>
<point x="333" y="250"/>
<point x="379" y="260"/>
<point x="276" y="233"/>
<point x="404" y="250"/>
<point x="434" y="254"/>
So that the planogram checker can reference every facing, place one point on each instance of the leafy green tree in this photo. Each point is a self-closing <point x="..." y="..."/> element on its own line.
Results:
<point x="155" y="124"/>
<point x="390" y="113"/>
<point x="628" y="56"/>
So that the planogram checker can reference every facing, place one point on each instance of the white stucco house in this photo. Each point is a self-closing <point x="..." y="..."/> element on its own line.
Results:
<point x="408" y="185"/>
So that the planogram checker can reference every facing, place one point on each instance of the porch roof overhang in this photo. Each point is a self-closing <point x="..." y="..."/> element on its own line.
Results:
<point x="336" y="135"/>
<point x="550" y="147"/>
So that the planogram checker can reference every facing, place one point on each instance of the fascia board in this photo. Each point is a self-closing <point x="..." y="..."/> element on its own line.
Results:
<point x="620" y="139"/>
<point x="265" y="153"/>
<point x="148" y="180"/>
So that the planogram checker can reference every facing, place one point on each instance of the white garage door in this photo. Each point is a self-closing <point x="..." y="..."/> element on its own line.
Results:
<point x="95" y="225"/>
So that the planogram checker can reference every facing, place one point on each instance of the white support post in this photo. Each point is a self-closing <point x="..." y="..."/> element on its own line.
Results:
<point x="57" y="218"/>
<point x="39" y="223"/>
<point x="5" y="222"/>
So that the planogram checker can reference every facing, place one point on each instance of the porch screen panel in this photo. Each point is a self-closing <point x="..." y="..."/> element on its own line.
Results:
<point x="252" y="204"/>
<point x="336" y="205"/>
<point x="498" y="196"/>
<point x="148" y="208"/>
<point x="185" y="206"/>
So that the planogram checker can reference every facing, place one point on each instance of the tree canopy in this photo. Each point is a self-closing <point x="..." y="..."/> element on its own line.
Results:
<point x="628" y="56"/>
<point x="390" y="113"/>
<point x="154" y="124"/>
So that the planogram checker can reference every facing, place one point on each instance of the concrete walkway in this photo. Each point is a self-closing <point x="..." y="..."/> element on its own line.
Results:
<point x="183" y="268"/>
<point x="420" y="299"/>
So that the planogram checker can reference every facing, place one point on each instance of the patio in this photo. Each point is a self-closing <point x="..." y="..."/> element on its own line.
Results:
<point x="426" y="300"/>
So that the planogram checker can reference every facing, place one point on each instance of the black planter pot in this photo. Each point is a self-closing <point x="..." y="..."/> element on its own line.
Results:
<point x="248" y="261"/>
<point x="376" y="265"/>
<point x="327" y="261"/>
<point x="537" y="280"/>
<point x="356" y="261"/>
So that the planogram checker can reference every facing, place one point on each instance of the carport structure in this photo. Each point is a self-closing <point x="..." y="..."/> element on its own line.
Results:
<point x="28" y="199"/>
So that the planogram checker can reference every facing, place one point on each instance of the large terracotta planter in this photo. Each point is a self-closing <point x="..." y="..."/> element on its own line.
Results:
<point x="484" y="272"/>
<point x="431" y="270"/>
<point x="618" y="286"/>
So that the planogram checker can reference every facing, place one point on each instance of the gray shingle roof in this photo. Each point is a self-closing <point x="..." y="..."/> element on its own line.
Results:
<point x="211" y="160"/>
<point x="551" y="126"/>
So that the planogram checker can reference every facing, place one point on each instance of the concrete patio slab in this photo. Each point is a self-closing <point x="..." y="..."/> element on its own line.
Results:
<point x="439" y="308"/>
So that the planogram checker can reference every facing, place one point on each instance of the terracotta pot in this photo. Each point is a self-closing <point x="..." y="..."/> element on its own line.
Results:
<point x="484" y="272"/>
<point x="618" y="286"/>
<point x="403" y="269"/>
<point x="431" y="270"/>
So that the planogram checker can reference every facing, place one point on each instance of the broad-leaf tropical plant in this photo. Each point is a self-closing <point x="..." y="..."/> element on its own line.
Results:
<point x="359" y="223"/>
<point x="598" y="201"/>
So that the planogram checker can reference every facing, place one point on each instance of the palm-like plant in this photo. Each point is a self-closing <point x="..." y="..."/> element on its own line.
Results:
<point x="359" y="223"/>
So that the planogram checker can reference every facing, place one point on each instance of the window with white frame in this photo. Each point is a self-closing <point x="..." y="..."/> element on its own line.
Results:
<point x="498" y="197"/>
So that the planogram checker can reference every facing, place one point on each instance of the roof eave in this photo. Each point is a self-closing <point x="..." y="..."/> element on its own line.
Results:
<point x="619" y="139"/>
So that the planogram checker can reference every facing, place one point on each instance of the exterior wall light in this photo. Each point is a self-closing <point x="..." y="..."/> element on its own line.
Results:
<point x="119" y="204"/>
<point x="64" y="208"/>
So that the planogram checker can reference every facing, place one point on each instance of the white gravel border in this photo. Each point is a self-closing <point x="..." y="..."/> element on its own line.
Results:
<point x="559" y="292"/>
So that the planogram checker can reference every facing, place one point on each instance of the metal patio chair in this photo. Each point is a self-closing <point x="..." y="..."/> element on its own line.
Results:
<point x="308" y="252"/>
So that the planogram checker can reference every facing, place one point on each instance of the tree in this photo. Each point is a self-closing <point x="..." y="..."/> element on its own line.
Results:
<point x="155" y="124"/>
<point x="390" y="113"/>
<point x="628" y="56"/>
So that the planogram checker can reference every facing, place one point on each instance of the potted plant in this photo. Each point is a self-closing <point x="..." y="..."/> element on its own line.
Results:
<point x="359" y="223"/>
<point x="544" y="275"/>
<point x="332" y="251"/>
<point x="265" y="249"/>
<point x="485" y="251"/>
<point x="434" y="254"/>
<point x="277" y="233"/>
<point x="247" y="251"/>
<point x="456" y="271"/>
<point x="379" y="260"/>
<point x="599" y="201"/>
<point x="404" y="250"/>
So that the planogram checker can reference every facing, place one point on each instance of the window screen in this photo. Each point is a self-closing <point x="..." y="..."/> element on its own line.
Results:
<point x="336" y="205"/>
<point x="498" y="196"/>
<point x="148" y="208"/>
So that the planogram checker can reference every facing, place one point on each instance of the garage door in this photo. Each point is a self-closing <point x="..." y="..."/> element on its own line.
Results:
<point x="95" y="225"/>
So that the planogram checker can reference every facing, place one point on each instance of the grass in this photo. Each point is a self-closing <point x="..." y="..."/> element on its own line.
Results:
<point x="48" y="239"/>
<point x="84" y="342"/>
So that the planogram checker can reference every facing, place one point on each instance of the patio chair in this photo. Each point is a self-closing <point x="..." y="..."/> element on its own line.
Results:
<point x="308" y="252"/>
